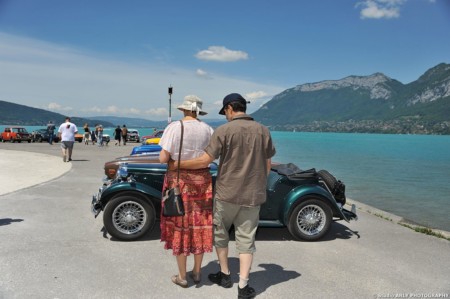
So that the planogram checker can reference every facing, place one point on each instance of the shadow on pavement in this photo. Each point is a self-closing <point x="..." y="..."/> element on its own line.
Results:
<point x="8" y="221"/>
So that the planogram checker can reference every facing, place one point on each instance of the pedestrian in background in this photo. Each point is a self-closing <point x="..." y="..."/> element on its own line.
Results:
<point x="124" y="134"/>
<point x="99" y="136"/>
<point x="51" y="132"/>
<point x="87" y="134"/>
<point x="66" y="132"/>
<point x="117" y="135"/>
<point x="245" y="150"/>
<point x="191" y="233"/>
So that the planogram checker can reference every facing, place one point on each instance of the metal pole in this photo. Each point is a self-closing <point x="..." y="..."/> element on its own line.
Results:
<point x="170" y="104"/>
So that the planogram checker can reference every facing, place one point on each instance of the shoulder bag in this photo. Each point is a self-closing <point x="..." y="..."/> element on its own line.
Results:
<point x="172" y="201"/>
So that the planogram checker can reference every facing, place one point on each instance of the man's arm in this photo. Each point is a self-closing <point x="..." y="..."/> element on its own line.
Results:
<point x="201" y="162"/>
<point x="269" y="165"/>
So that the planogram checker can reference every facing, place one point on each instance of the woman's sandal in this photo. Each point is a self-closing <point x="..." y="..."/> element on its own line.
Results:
<point x="197" y="277"/>
<point x="180" y="282"/>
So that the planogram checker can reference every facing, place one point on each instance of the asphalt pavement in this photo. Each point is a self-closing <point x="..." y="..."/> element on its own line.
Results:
<point x="53" y="247"/>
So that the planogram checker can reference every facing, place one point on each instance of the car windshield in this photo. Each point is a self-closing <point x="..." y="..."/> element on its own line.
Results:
<point x="20" y="130"/>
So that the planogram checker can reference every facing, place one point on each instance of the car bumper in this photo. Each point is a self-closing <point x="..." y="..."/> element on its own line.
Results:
<point x="350" y="215"/>
<point x="96" y="204"/>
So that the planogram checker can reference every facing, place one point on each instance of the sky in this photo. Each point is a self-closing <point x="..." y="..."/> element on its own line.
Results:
<point x="113" y="57"/>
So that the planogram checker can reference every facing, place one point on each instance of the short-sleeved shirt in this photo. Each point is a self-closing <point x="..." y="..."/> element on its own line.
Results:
<point x="196" y="137"/>
<point x="243" y="146"/>
<point x="68" y="131"/>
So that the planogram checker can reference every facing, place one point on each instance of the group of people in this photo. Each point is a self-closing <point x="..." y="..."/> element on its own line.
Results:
<point x="120" y="135"/>
<point x="67" y="131"/>
<point x="244" y="148"/>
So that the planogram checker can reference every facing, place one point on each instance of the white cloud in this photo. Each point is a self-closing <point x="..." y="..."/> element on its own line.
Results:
<point x="219" y="53"/>
<point x="202" y="74"/>
<point x="380" y="9"/>
<point x="48" y="76"/>
<point x="57" y="107"/>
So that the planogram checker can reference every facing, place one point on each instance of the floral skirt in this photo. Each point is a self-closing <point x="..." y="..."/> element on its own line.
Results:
<point x="191" y="233"/>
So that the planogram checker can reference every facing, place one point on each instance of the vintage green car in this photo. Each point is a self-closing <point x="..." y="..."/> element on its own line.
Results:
<point x="306" y="202"/>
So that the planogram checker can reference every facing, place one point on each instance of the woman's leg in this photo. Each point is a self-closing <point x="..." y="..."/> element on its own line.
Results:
<point x="198" y="258"/>
<point x="181" y="261"/>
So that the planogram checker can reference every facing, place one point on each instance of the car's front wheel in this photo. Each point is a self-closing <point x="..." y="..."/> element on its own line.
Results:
<point x="310" y="220"/>
<point x="129" y="217"/>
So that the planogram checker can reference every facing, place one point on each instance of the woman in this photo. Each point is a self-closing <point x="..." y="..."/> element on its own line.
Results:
<point x="191" y="233"/>
<point x="87" y="134"/>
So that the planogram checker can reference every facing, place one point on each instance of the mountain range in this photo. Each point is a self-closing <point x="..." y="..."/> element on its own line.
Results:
<point x="374" y="103"/>
<point x="366" y="104"/>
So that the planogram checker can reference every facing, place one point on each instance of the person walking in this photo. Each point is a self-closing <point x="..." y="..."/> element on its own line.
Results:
<point x="117" y="135"/>
<point x="245" y="149"/>
<point x="124" y="134"/>
<point x="66" y="132"/>
<point x="51" y="132"/>
<point x="87" y="134"/>
<point x="99" y="136"/>
<point x="191" y="233"/>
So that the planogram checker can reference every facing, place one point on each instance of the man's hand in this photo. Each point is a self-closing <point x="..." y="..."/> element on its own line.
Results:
<point x="171" y="165"/>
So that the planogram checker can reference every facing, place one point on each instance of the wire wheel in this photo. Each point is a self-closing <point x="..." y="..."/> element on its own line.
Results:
<point x="311" y="220"/>
<point x="129" y="217"/>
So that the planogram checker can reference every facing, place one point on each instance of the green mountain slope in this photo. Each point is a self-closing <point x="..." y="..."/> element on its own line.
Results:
<point x="373" y="103"/>
<point x="16" y="114"/>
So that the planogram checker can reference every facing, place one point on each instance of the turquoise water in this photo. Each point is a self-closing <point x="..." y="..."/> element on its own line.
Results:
<point x="408" y="175"/>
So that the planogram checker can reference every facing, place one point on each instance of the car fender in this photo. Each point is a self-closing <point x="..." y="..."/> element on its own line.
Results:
<point x="296" y="195"/>
<point x="138" y="187"/>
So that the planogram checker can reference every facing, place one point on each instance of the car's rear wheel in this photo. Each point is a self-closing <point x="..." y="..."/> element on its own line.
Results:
<point x="310" y="220"/>
<point x="128" y="217"/>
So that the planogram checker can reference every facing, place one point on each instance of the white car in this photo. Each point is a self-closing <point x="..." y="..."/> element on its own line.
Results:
<point x="133" y="135"/>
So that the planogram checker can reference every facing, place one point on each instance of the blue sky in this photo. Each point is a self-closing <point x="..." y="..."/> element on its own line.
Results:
<point x="115" y="57"/>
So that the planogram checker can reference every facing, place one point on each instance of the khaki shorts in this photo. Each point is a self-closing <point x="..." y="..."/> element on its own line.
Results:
<point x="245" y="221"/>
<point x="67" y="144"/>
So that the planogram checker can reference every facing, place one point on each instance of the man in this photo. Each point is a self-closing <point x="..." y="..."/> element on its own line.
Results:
<point x="124" y="134"/>
<point x="245" y="150"/>
<point x="66" y="133"/>
<point x="51" y="132"/>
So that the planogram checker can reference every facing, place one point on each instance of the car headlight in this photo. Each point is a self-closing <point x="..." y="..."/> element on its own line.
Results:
<point x="122" y="172"/>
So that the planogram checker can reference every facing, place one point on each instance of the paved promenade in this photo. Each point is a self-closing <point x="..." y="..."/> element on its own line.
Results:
<point x="52" y="247"/>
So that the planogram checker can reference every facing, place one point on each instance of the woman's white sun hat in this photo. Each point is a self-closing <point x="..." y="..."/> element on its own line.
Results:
<point x="192" y="103"/>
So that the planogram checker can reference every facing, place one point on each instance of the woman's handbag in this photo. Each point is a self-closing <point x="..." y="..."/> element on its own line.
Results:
<point x="172" y="201"/>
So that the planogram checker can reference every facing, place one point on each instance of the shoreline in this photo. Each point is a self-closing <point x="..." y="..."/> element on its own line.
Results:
<point x="397" y="219"/>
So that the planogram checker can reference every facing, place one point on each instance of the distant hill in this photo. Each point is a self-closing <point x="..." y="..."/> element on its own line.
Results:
<point x="130" y="122"/>
<point x="145" y="123"/>
<point x="374" y="103"/>
<point x="16" y="114"/>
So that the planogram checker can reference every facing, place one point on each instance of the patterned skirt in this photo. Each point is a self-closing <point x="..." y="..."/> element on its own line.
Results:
<point x="191" y="233"/>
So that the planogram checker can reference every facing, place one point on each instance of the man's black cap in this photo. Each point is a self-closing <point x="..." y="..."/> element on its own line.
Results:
<point x="232" y="97"/>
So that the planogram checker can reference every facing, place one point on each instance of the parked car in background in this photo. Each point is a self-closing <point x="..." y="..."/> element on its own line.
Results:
<point x="306" y="202"/>
<point x="79" y="137"/>
<point x="133" y="135"/>
<point x="40" y="135"/>
<point x="145" y="149"/>
<point x="106" y="139"/>
<point x="15" y="134"/>
<point x="156" y="134"/>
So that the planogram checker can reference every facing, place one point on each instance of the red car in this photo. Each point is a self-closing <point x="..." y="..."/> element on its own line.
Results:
<point x="16" y="134"/>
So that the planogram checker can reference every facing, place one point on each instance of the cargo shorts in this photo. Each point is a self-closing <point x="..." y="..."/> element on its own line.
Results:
<point x="67" y="144"/>
<point x="245" y="221"/>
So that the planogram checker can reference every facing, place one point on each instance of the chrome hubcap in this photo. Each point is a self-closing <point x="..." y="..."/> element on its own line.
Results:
<point x="311" y="220"/>
<point x="129" y="217"/>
